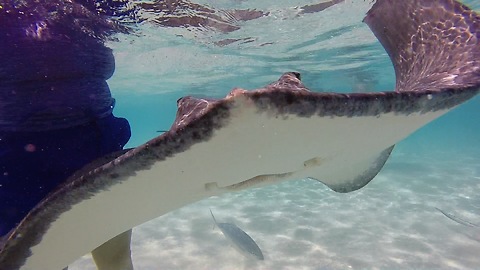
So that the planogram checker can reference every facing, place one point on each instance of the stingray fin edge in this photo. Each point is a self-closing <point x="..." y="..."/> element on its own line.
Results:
<point x="364" y="177"/>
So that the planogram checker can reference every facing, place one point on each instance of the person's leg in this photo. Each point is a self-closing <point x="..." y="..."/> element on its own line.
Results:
<point x="115" y="253"/>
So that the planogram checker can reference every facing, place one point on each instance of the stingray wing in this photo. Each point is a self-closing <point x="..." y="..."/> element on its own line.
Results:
<point x="433" y="45"/>
<point x="253" y="138"/>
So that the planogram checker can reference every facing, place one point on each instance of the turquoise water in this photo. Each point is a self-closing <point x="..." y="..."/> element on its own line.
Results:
<point x="392" y="223"/>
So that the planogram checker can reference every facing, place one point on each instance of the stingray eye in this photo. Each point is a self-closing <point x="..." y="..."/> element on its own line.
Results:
<point x="179" y="100"/>
<point x="297" y="75"/>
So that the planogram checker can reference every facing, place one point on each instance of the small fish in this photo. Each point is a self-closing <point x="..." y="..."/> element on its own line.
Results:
<point x="240" y="239"/>
<point x="457" y="219"/>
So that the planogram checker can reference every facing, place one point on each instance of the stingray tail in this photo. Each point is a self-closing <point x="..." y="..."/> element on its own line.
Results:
<point x="433" y="45"/>
<point x="457" y="219"/>
<point x="214" y="220"/>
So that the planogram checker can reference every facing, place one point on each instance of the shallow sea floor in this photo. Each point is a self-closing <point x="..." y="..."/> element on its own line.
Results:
<point x="392" y="223"/>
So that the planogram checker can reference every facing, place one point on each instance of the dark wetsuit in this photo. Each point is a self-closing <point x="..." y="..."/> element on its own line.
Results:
<point x="55" y="104"/>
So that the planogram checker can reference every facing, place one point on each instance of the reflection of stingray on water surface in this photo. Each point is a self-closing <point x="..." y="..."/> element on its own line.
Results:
<point x="280" y="132"/>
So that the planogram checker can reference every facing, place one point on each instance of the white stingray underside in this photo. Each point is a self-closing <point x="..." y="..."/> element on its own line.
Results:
<point x="255" y="145"/>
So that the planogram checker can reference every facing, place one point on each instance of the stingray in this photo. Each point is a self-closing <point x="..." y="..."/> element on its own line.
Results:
<point x="240" y="239"/>
<point x="248" y="139"/>
<point x="458" y="219"/>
